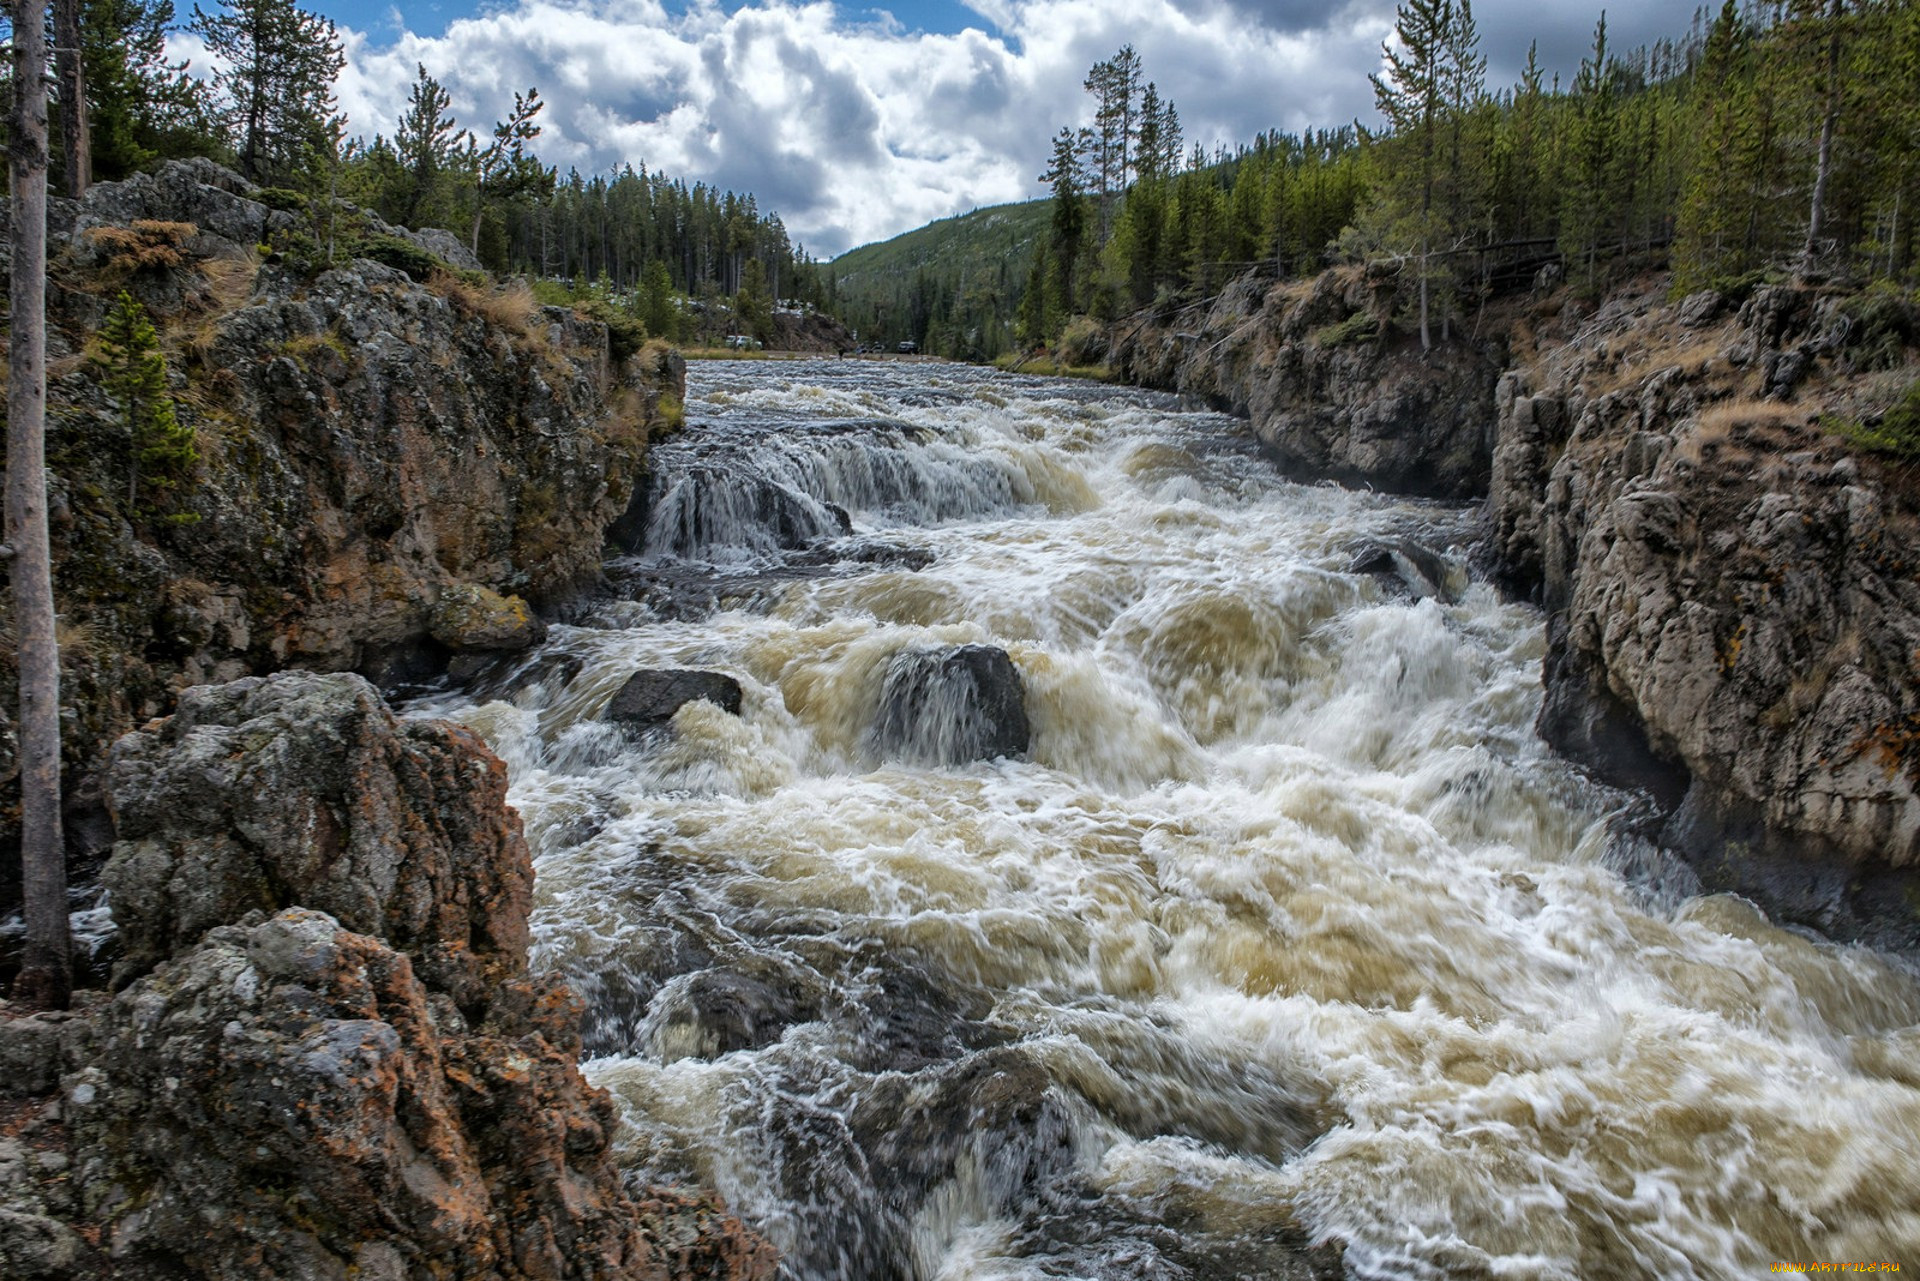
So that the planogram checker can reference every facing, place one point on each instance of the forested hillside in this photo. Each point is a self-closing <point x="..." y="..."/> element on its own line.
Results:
<point x="1780" y="137"/>
<point x="664" y="251"/>
<point x="950" y="284"/>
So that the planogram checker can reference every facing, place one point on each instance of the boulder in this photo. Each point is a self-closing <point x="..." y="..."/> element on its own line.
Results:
<point x="301" y="788"/>
<point x="470" y="616"/>
<point x="953" y="705"/>
<point x="649" y="699"/>
<point x="1418" y="569"/>
<point x="327" y="1057"/>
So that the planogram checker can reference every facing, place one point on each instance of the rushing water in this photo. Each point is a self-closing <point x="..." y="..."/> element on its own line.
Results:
<point x="1286" y="928"/>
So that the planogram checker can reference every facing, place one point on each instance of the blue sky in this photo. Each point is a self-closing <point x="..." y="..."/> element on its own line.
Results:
<point x="856" y="123"/>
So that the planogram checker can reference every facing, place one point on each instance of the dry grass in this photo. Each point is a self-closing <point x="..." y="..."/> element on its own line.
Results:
<point x="143" y="244"/>
<point x="1689" y="351"/>
<point x="510" y="306"/>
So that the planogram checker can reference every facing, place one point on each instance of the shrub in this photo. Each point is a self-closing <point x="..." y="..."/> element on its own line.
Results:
<point x="282" y="198"/>
<point x="401" y="255"/>
<point x="1351" y="332"/>
<point x="625" y="333"/>
<point x="1898" y="433"/>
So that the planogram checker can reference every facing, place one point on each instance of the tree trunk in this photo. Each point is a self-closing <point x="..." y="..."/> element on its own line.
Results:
<point x="1426" y="334"/>
<point x="46" y="972"/>
<point x="75" y="136"/>
<point x="1827" y="122"/>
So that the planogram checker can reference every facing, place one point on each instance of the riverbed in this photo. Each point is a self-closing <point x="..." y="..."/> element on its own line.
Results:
<point x="1285" y="948"/>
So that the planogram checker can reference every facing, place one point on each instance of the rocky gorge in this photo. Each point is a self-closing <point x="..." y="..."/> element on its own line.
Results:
<point x="324" y="1054"/>
<point x="1733" y="611"/>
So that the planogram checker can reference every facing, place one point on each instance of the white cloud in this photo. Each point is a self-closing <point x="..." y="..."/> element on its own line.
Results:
<point x="857" y="128"/>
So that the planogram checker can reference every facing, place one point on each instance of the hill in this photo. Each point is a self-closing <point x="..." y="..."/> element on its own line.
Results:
<point x="948" y="285"/>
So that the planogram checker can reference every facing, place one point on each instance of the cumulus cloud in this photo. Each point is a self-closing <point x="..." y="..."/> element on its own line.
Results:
<point x="855" y="127"/>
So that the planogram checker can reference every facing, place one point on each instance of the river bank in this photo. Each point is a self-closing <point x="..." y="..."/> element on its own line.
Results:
<point x="1730" y="628"/>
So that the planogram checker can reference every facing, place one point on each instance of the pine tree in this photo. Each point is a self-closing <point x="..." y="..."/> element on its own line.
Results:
<point x="1590" y="194"/>
<point x="161" y="450"/>
<point x="426" y="140"/>
<point x="277" y="80"/>
<point x="506" y="170"/>
<point x="1413" y="97"/>
<point x="1069" y="213"/>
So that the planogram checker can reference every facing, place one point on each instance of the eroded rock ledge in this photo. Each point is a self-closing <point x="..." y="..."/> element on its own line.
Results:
<point x="326" y="1056"/>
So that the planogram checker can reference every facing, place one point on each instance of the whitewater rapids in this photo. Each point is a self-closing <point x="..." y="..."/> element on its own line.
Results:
<point x="1286" y="930"/>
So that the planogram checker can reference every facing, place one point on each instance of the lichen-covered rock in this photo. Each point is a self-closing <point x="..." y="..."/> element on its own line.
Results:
<point x="468" y="616"/>
<point x="304" y="789"/>
<point x="272" y="1093"/>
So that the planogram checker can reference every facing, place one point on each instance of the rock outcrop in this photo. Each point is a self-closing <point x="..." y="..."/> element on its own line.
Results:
<point x="1329" y="387"/>
<point x="327" y="1057"/>
<point x="391" y="473"/>
<point x="1734" y="606"/>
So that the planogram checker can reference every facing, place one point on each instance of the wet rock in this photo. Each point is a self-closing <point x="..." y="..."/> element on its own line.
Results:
<point x="949" y="706"/>
<point x="1419" y="569"/>
<point x="649" y="699"/>
<point x="469" y="616"/>
<point x="743" y="1007"/>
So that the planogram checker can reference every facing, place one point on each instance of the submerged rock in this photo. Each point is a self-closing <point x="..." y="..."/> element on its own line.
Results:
<point x="1419" y="569"/>
<point x="649" y="699"/>
<point x="950" y="706"/>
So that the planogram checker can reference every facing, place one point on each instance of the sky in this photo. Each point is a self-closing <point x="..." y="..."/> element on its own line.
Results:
<point x="856" y="124"/>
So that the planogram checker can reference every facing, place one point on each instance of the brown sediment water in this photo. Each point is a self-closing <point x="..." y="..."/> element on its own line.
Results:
<point x="1285" y="928"/>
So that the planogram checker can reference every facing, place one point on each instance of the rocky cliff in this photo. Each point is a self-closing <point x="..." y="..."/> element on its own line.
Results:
<point x="1733" y="597"/>
<point x="392" y="473"/>
<point x="1732" y="590"/>
<point x="326" y="1057"/>
<point x="1330" y="388"/>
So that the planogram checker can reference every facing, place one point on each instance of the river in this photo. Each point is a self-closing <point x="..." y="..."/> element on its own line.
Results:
<point x="1285" y="929"/>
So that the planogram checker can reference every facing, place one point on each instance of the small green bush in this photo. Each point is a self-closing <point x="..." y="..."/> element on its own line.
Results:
<point x="401" y="255"/>
<point x="282" y="198"/>
<point x="1351" y="332"/>
<point x="1898" y="434"/>
<point x="625" y="333"/>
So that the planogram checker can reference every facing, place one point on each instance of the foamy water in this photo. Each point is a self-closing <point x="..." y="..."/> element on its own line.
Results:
<point x="1287" y="928"/>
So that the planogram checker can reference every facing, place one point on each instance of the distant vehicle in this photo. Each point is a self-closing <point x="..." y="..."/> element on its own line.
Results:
<point x="908" y="348"/>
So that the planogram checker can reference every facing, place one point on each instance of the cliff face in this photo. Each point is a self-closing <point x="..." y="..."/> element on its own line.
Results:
<point x="1328" y="388"/>
<point x="1733" y="598"/>
<point x="1733" y="594"/>
<point x="392" y="474"/>
<point x="326" y="1057"/>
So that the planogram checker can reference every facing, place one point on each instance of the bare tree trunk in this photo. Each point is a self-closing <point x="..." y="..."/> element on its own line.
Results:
<point x="75" y="135"/>
<point x="46" y="973"/>
<point x="1426" y="333"/>
<point x="1825" y="170"/>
